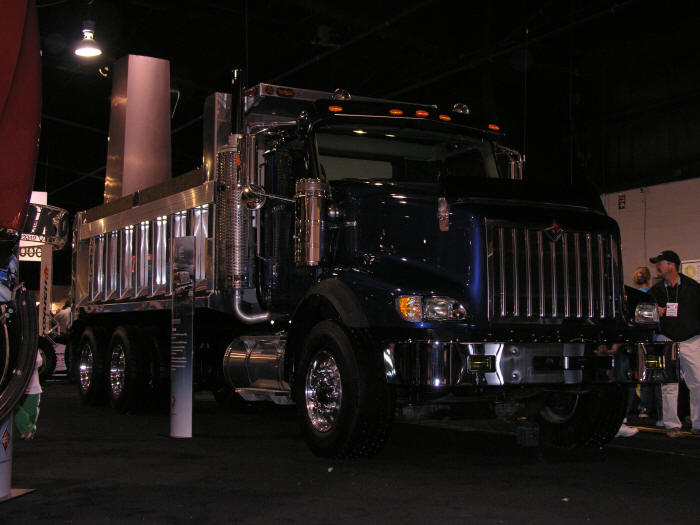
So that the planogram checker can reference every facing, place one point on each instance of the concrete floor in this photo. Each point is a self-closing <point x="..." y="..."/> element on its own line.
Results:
<point x="90" y="465"/>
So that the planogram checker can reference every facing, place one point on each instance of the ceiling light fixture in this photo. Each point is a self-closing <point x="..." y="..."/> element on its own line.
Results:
<point x="88" y="46"/>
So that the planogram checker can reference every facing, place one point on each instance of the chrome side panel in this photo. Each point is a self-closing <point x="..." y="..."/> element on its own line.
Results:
<point x="143" y="259"/>
<point x="81" y="265"/>
<point x="126" y="262"/>
<point x="112" y="266"/>
<point x="184" y="200"/>
<point x="132" y="261"/>
<point x="160" y="277"/>
<point x="97" y="268"/>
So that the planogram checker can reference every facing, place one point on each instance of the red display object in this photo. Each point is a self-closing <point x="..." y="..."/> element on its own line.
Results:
<point x="20" y="108"/>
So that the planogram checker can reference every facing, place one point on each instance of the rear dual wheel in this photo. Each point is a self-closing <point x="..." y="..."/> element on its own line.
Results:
<point x="91" y="367"/>
<point x="128" y="371"/>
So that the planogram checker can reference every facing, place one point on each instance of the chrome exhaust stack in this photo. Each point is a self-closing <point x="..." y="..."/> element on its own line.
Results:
<point x="235" y="165"/>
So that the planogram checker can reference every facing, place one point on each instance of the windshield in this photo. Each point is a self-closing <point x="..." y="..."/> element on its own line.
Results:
<point x="354" y="151"/>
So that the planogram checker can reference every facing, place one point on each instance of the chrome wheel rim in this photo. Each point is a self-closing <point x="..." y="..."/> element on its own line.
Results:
<point x="323" y="392"/>
<point x="85" y="368"/>
<point x="117" y="367"/>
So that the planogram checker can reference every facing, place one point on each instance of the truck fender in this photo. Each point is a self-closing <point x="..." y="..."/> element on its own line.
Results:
<point x="329" y="299"/>
<point x="342" y="299"/>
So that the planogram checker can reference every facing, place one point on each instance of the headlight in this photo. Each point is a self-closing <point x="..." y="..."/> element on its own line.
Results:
<point x="443" y="308"/>
<point x="646" y="313"/>
<point x="415" y="308"/>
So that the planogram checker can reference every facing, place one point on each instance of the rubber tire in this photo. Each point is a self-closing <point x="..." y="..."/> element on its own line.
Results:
<point x="367" y="403"/>
<point x="134" y="391"/>
<point x="48" y="356"/>
<point x="96" y="391"/>
<point x="157" y="384"/>
<point x="593" y="423"/>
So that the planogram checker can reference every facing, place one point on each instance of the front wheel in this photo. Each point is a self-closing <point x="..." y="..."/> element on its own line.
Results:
<point x="344" y="404"/>
<point x="585" y="419"/>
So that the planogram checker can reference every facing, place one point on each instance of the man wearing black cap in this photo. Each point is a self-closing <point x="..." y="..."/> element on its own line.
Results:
<point x="678" y="301"/>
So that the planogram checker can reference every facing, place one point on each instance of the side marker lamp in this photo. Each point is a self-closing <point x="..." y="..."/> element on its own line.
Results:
<point x="411" y="307"/>
<point x="422" y="113"/>
<point x="396" y="112"/>
<point x="494" y="127"/>
<point x="335" y="109"/>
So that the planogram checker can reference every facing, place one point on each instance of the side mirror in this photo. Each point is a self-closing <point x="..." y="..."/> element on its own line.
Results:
<point x="253" y="197"/>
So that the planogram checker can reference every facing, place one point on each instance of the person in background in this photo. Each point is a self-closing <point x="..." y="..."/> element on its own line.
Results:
<point x="27" y="411"/>
<point x="62" y="318"/>
<point x="650" y="394"/>
<point x="678" y="302"/>
<point x="642" y="279"/>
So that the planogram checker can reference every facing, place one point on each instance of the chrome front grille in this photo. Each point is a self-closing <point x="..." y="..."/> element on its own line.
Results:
<point x="535" y="275"/>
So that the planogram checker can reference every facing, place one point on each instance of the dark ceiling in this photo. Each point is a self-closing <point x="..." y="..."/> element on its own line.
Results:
<point x="595" y="90"/>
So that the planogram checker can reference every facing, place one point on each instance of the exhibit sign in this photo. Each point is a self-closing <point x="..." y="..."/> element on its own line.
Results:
<point x="691" y="268"/>
<point x="182" y="337"/>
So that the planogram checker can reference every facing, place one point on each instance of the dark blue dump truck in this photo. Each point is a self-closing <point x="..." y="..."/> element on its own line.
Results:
<point x="364" y="260"/>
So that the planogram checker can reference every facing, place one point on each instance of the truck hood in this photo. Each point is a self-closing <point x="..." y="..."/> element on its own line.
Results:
<point x="558" y="194"/>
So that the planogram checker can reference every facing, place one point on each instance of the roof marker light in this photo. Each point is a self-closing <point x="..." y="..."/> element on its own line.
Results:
<point x="421" y="113"/>
<point x="335" y="109"/>
<point x="285" y="92"/>
<point x="446" y="118"/>
<point x="494" y="127"/>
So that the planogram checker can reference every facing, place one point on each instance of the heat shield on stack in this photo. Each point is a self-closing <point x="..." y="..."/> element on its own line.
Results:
<point x="138" y="154"/>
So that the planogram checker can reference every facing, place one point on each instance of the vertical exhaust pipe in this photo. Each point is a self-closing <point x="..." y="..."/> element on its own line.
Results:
<point x="240" y="225"/>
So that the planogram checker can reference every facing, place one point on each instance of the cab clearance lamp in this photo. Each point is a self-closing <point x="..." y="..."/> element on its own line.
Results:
<point x="335" y="109"/>
<point x="285" y="92"/>
<point x="396" y="112"/>
<point x="421" y="113"/>
<point x="494" y="127"/>
<point x="446" y="118"/>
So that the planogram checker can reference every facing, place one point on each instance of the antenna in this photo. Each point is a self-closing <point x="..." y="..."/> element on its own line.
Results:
<point x="525" y="67"/>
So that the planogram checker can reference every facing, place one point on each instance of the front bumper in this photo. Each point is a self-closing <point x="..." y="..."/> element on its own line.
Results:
<point x="440" y="364"/>
<point x="448" y="363"/>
